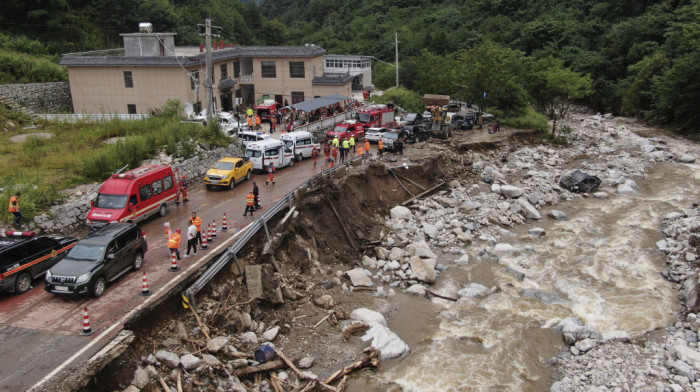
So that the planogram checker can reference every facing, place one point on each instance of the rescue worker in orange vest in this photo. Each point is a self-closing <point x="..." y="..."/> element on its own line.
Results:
<point x="271" y="171"/>
<point x="273" y="124"/>
<point x="314" y="155"/>
<point x="334" y="156"/>
<point x="361" y="153"/>
<point x="174" y="243"/>
<point x="257" y="122"/>
<point x="367" y="147"/>
<point x="250" y="122"/>
<point x="14" y="207"/>
<point x="380" y="147"/>
<point x="197" y="221"/>
<point x="250" y="204"/>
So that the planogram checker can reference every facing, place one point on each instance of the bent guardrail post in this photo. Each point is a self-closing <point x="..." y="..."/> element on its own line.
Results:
<point x="267" y="233"/>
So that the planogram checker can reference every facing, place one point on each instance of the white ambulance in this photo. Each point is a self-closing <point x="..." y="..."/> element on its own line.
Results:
<point x="271" y="150"/>
<point x="301" y="143"/>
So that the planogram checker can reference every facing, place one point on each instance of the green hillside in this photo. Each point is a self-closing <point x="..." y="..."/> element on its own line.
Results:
<point x="632" y="57"/>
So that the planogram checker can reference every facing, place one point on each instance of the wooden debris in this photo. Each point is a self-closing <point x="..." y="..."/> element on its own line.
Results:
<point x="371" y="360"/>
<point x="199" y="322"/>
<point x="271" y="365"/>
<point x="162" y="382"/>
<point x="322" y="320"/>
<point x="422" y="194"/>
<point x="434" y="294"/>
<point x="353" y="329"/>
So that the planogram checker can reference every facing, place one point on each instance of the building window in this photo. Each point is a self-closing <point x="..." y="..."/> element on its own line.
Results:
<point x="236" y="69"/>
<point x="297" y="96"/>
<point x="268" y="69"/>
<point x="224" y="71"/>
<point x="131" y="108"/>
<point x="296" y="69"/>
<point x="128" y="79"/>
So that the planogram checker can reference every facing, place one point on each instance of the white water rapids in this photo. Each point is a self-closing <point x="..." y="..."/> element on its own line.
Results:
<point x="601" y="266"/>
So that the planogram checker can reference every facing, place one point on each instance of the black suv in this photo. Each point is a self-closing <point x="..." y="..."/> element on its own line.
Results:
<point x="24" y="256"/>
<point x="101" y="257"/>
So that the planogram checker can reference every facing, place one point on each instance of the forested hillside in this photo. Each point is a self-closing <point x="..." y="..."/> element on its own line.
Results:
<point x="633" y="57"/>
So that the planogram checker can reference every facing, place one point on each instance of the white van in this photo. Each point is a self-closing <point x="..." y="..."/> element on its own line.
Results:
<point x="271" y="150"/>
<point x="301" y="143"/>
<point x="249" y="137"/>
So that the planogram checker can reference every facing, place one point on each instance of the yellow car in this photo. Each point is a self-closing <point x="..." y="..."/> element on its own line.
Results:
<point x="228" y="172"/>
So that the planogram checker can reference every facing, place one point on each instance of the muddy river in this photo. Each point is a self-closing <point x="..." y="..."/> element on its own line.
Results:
<point x="600" y="266"/>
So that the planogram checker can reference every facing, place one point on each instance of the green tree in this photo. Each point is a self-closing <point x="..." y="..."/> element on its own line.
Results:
<point x="556" y="88"/>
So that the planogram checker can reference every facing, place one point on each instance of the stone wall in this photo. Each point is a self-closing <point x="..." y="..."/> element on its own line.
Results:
<point x="38" y="97"/>
<point x="70" y="216"/>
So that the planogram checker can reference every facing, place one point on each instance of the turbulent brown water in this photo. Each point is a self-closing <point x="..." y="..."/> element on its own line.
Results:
<point x="600" y="266"/>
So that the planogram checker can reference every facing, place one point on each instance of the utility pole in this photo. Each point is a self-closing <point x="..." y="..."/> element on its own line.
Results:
<point x="396" y="39"/>
<point x="210" y="92"/>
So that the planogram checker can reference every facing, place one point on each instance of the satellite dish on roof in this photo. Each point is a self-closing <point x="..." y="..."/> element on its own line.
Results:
<point x="189" y="109"/>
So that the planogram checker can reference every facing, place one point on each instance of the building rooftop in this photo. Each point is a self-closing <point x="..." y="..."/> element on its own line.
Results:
<point x="186" y="56"/>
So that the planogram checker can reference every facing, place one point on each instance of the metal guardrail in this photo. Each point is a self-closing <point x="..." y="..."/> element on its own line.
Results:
<point x="251" y="230"/>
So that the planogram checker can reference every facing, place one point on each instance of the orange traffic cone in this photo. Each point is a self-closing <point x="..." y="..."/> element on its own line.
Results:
<point x="87" y="331"/>
<point x="144" y="288"/>
<point x="173" y="264"/>
<point x="204" y="240"/>
<point x="213" y="229"/>
<point x="224" y="227"/>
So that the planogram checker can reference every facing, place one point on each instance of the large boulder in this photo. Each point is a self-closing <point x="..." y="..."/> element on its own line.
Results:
<point x="430" y="230"/>
<point x="365" y="315"/>
<point x="422" y="270"/>
<point x="511" y="191"/>
<point x="359" y="278"/>
<point x="528" y="210"/>
<point x="401" y="212"/>
<point x="171" y="360"/>
<point x="190" y="362"/>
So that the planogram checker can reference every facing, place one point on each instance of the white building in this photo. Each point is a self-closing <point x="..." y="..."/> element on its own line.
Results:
<point x="360" y="67"/>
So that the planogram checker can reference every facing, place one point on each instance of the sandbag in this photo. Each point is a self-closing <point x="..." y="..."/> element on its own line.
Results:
<point x="580" y="182"/>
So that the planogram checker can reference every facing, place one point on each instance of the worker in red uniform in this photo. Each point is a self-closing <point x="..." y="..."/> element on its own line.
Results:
<point x="257" y="122"/>
<point x="250" y="204"/>
<point x="314" y="155"/>
<point x="271" y="173"/>
<point x="334" y="155"/>
<point x="184" y="188"/>
<point x="327" y="151"/>
<point x="14" y="208"/>
<point x="174" y="243"/>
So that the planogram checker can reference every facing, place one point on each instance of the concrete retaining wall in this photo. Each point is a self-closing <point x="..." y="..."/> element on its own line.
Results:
<point x="38" y="97"/>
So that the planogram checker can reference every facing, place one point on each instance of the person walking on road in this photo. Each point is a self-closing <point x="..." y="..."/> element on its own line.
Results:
<point x="346" y="147"/>
<point x="257" y="122"/>
<point x="191" y="240"/>
<point x="197" y="221"/>
<point x="314" y="155"/>
<point x="250" y="204"/>
<point x="271" y="173"/>
<point x="327" y="151"/>
<point x="174" y="243"/>
<point x="367" y="147"/>
<point x="14" y="207"/>
<point x="184" y="188"/>
<point x="334" y="156"/>
<point x="351" y="143"/>
<point x="380" y="147"/>
<point x="256" y="193"/>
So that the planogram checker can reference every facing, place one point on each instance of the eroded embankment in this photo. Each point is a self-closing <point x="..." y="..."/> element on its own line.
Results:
<point x="306" y="298"/>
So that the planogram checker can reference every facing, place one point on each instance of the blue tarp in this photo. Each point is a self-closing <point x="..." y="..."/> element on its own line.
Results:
<point x="320" y="102"/>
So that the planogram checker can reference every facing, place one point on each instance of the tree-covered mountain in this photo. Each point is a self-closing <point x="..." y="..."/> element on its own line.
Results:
<point x="633" y="57"/>
<point x="642" y="55"/>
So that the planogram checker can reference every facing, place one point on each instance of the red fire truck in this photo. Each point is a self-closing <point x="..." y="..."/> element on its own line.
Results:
<point x="376" y="116"/>
<point x="266" y="110"/>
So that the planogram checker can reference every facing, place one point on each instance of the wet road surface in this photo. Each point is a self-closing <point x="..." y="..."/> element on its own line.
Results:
<point x="40" y="331"/>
